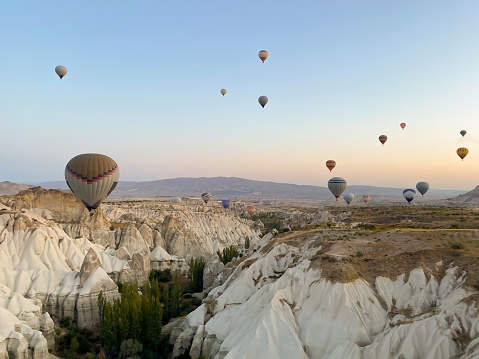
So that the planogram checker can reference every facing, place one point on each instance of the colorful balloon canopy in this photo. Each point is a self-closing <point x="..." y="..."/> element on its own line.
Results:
<point x="337" y="185"/>
<point x="383" y="139"/>
<point x="250" y="209"/>
<point x="206" y="197"/>
<point x="61" y="71"/>
<point x="263" y="55"/>
<point x="330" y="164"/>
<point x="263" y="100"/>
<point x="223" y="92"/>
<point x="422" y="187"/>
<point x="92" y="177"/>
<point x="463" y="133"/>
<point x="402" y="125"/>
<point x="176" y="200"/>
<point x="348" y="197"/>
<point x="462" y="152"/>
<point x="409" y="194"/>
<point x="226" y="203"/>
<point x="366" y="198"/>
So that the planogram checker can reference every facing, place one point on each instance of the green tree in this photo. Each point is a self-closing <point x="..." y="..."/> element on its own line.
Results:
<point x="130" y="349"/>
<point x="247" y="242"/>
<point x="228" y="254"/>
<point x="195" y="274"/>
<point x="73" y="346"/>
<point x="154" y="324"/>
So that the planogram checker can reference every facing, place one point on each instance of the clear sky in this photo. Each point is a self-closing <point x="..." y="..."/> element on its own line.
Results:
<point x="144" y="79"/>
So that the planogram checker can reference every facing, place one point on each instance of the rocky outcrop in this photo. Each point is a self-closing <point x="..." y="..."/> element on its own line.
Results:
<point x="298" y="219"/>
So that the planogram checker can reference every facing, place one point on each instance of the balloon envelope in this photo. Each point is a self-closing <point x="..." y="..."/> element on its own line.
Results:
<point x="250" y="209"/>
<point x="422" y="187"/>
<point x="383" y="139"/>
<point x="402" y="125"/>
<point x="330" y="164"/>
<point x="348" y="197"/>
<point x="263" y="55"/>
<point x="61" y="71"/>
<point x="409" y="194"/>
<point x="223" y="92"/>
<point x="337" y="185"/>
<point x="226" y="203"/>
<point x="463" y="133"/>
<point x="206" y="197"/>
<point x="366" y="198"/>
<point x="92" y="177"/>
<point x="462" y="152"/>
<point x="176" y="200"/>
<point x="263" y="100"/>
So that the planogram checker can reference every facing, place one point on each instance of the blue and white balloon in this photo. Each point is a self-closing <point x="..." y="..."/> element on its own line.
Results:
<point x="409" y="194"/>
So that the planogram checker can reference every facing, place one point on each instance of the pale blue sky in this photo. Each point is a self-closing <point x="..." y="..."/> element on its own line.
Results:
<point x="144" y="78"/>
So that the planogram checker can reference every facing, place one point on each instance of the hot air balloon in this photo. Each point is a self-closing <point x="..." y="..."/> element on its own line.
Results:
<point x="348" y="197"/>
<point x="263" y="55"/>
<point x="330" y="164"/>
<point x="422" y="187"/>
<point x="176" y="200"/>
<point x="337" y="185"/>
<point x="409" y="194"/>
<point x="463" y="132"/>
<point x="61" y="71"/>
<point x="250" y="209"/>
<point x="223" y="92"/>
<point x="462" y="152"/>
<point x="206" y="197"/>
<point x="226" y="203"/>
<point x="263" y="100"/>
<point x="92" y="177"/>
<point x="383" y="139"/>
<point x="366" y="198"/>
<point x="402" y="125"/>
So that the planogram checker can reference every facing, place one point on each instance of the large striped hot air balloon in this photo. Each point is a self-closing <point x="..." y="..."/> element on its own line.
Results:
<point x="337" y="185"/>
<point x="348" y="197"/>
<point x="409" y="194"/>
<point x="206" y="197"/>
<point x="462" y="152"/>
<point x="226" y="203"/>
<point x="250" y="209"/>
<point x="330" y="164"/>
<point x="263" y="55"/>
<point x="366" y="198"/>
<point x="61" y="71"/>
<point x="383" y="139"/>
<point x="92" y="177"/>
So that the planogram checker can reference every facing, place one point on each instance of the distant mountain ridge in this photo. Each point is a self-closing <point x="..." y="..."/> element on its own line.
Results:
<point x="230" y="187"/>
<point x="8" y="188"/>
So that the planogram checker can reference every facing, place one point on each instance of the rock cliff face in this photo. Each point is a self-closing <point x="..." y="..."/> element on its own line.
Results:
<point x="303" y="297"/>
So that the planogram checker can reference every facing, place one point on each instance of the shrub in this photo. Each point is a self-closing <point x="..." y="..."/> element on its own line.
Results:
<point x="318" y="253"/>
<point x="457" y="245"/>
<point x="247" y="242"/>
<point x="228" y="254"/>
<point x="163" y="276"/>
<point x="454" y="226"/>
<point x="359" y="254"/>
<point x="65" y="322"/>
<point x="58" y="331"/>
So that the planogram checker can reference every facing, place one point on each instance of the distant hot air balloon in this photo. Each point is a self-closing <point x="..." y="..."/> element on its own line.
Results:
<point x="348" y="197"/>
<point x="263" y="55"/>
<point x="463" y="132"/>
<point x="61" y="71"/>
<point x="250" y="209"/>
<point x="223" y="92"/>
<point x="92" y="177"/>
<point x="383" y="139"/>
<point x="422" y="187"/>
<point x="462" y="152"/>
<point x="206" y="197"/>
<point x="330" y="164"/>
<point x="226" y="203"/>
<point x="176" y="200"/>
<point x="409" y="194"/>
<point x="402" y="125"/>
<point x="263" y="100"/>
<point x="337" y="185"/>
<point x="366" y="198"/>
